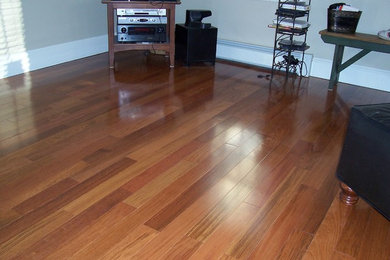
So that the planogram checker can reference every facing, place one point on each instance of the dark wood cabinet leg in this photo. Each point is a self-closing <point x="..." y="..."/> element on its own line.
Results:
<point x="347" y="195"/>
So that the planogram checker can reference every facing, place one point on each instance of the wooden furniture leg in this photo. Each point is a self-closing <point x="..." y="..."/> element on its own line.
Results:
<point x="172" y="37"/>
<point x="337" y="59"/>
<point x="110" y="23"/>
<point x="347" y="195"/>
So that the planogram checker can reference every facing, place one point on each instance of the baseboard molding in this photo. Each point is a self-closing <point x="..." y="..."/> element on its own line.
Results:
<point x="262" y="56"/>
<point x="253" y="54"/>
<point x="355" y="74"/>
<point x="17" y="63"/>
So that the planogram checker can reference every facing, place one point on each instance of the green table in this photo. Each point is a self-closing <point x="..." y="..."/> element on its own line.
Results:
<point x="365" y="42"/>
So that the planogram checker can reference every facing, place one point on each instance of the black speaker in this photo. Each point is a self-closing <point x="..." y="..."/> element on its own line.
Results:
<point x="196" y="44"/>
<point x="196" y="41"/>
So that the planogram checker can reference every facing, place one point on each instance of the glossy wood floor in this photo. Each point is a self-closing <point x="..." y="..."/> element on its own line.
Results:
<point x="192" y="163"/>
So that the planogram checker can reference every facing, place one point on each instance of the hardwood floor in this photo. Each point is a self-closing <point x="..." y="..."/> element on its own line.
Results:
<point x="193" y="163"/>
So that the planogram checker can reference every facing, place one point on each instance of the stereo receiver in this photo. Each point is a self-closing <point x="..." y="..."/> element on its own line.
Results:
<point x="142" y="33"/>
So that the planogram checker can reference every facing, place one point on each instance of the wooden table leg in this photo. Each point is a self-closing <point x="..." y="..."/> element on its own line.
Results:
<point x="172" y="37"/>
<point x="111" y="59"/>
<point x="337" y="59"/>
<point x="110" y="24"/>
<point x="347" y="195"/>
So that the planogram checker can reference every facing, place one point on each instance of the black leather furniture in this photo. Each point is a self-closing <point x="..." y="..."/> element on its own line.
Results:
<point x="364" y="165"/>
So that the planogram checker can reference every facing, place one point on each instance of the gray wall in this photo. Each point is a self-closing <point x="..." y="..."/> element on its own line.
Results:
<point x="50" y="22"/>
<point x="246" y="21"/>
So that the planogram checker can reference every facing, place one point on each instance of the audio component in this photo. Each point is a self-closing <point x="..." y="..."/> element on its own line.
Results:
<point x="141" y="25"/>
<point x="142" y="20"/>
<point x="142" y="12"/>
<point x="142" y="33"/>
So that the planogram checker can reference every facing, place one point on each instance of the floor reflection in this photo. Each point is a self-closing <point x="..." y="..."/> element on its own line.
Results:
<point x="13" y="56"/>
<point x="133" y="79"/>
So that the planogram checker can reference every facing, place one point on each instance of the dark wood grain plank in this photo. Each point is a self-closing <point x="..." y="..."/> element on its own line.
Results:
<point x="45" y="196"/>
<point x="370" y="249"/>
<point x="350" y="243"/>
<point x="160" y="167"/>
<point x="183" y="249"/>
<point x="60" y="201"/>
<point x="76" y="225"/>
<point x="68" y="248"/>
<point x="296" y="245"/>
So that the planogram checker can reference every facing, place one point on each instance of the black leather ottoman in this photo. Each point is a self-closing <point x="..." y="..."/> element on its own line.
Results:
<point x="364" y="166"/>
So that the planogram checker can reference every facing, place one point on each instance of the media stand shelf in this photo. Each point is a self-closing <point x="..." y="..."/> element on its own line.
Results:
<point x="291" y="26"/>
<point x="115" y="46"/>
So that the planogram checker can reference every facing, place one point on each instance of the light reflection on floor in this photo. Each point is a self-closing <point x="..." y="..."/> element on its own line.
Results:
<point x="13" y="55"/>
<point x="13" y="60"/>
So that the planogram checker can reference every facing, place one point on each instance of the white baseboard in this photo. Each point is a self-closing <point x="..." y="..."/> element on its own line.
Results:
<point x="262" y="56"/>
<point x="253" y="54"/>
<point x="17" y="63"/>
<point x="355" y="74"/>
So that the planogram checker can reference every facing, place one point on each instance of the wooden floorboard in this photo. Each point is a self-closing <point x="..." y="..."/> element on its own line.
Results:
<point x="200" y="162"/>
